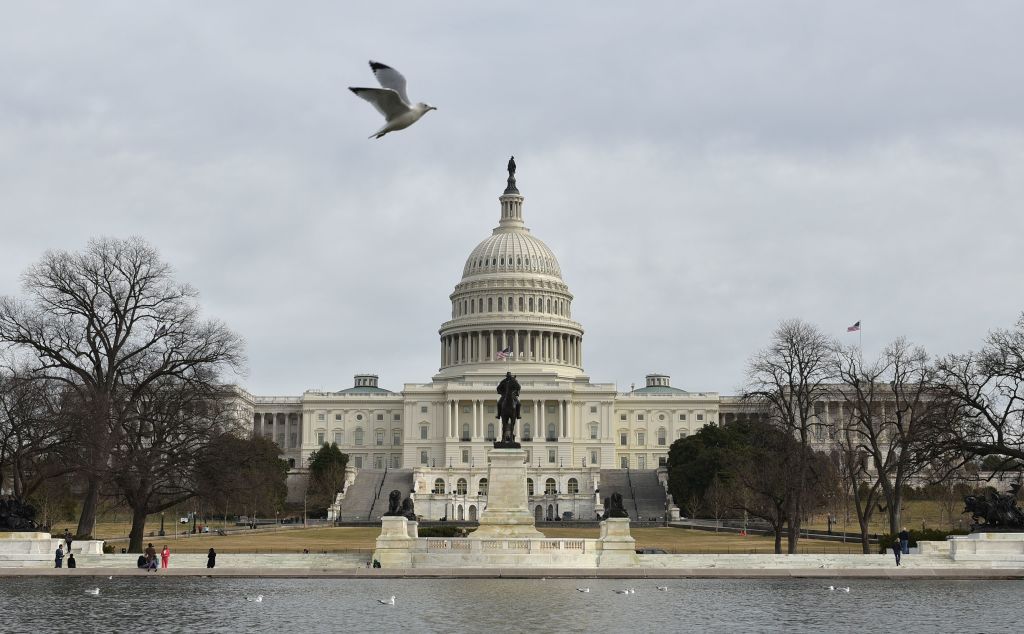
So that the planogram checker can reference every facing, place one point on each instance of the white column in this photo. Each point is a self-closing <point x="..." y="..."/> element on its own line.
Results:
<point x="493" y="351"/>
<point x="476" y="424"/>
<point x="561" y="419"/>
<point x="542" y="427"/>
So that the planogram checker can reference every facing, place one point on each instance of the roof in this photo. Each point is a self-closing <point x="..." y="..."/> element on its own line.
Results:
<point x="659" y="389"/>
<point x="513" y="250"/>
<point x="364" y="389"/>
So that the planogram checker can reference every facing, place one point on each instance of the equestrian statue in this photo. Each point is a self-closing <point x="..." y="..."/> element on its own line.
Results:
<point x="508" y="412"/>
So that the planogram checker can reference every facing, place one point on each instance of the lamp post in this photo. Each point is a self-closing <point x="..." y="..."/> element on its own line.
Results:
<point x="162" y="533"/>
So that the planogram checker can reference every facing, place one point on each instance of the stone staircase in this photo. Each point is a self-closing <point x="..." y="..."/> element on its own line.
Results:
<point x="366" y="499"/>
<point x="643" y="496"/>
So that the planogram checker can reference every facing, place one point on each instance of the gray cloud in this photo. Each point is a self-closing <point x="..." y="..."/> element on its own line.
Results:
<point x="702" y="170"/>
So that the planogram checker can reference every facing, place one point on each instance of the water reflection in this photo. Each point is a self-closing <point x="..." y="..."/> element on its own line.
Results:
<point x="52" y="604"/>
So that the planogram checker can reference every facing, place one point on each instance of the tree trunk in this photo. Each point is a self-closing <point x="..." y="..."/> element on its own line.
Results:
<point x="138" y="530"/>
<point x="90" y="503"/>
<point x="778" y="538"/>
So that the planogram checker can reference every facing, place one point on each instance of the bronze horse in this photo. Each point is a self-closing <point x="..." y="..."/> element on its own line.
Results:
<point x="508" y="412"/>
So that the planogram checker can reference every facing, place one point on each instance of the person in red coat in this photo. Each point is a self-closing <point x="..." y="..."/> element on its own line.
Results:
<point x="165" y="556"/>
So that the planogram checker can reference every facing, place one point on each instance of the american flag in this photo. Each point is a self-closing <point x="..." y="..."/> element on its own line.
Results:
<point x="505" y="354"/>
<point x="854" y="328"/>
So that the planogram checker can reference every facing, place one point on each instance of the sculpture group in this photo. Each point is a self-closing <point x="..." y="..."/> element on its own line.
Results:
<point x="993" y="510"/>
<point x="17" y="516"/>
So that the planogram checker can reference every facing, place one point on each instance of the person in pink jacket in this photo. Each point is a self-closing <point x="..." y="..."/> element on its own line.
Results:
<point x="165" y="556"/>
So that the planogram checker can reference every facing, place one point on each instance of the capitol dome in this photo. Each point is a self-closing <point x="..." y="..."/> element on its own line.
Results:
<point x="511" y="305"/>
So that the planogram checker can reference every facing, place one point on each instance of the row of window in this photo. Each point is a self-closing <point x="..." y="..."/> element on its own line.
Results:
<point x="338" y="416"/>
<point x="503" y="261"/>
<point x="640" y="417"/>
<point x="525" y="304"/>
<point x="462" y="487"/>
<point x="379" y="460"/>
<point x="338" y="437"/>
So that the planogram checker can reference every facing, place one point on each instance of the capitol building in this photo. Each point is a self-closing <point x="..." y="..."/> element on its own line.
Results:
<point x="433" y="438"/>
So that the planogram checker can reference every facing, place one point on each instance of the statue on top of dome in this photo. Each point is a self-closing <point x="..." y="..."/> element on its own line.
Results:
<point x="511" y="189"/>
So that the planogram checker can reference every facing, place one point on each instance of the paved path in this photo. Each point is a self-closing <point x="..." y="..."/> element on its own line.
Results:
<point x="536" y="573"/>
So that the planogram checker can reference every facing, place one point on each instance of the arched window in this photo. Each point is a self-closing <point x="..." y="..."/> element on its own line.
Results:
<point x="531" y="304"/>
<point x="480" y="305"/>
<point x="552" y="431"/>
<point x="529" y="486"/>
<point x="461" y="487"/>
<point x="439" y="486"/>
<point x="520" y="303"/>
<point x="526" y="432"/>
<point x="573" y="486"/>
<point x="482" y="489"/>
<point x="490" y="304"/>
<point x="465" y="431"/>
<point x="490" y="431"/>
<point x="510" y="305"/>
<point x="549" y="486"/>
<point x="501" y="304"/>
<point x="549" y="305"/>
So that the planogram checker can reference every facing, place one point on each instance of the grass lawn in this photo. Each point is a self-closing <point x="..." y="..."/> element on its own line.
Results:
<point x="915" y="512"/>
<point x="361" y="539"/>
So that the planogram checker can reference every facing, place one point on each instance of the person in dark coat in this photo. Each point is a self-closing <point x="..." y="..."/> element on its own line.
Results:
<point x="905" y="541"/>
<point x="71" y="561"/>
<point x="58" y="557"/>
<point x="897" y="550"/>
<point x="141" y="563"/>
<point x="150" y="557"/>
<point x="211" y="558"/>
<point x="67" y="539"/>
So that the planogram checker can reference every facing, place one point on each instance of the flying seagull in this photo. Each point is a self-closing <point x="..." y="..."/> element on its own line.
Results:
<point x="390" y="601"/>
<point x="391" y="101"/>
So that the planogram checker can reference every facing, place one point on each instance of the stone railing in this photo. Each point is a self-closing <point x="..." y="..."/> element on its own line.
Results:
<point x="546" y="546"/>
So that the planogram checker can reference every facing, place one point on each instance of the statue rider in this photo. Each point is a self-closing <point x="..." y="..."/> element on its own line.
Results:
<point x="508" y="387"/>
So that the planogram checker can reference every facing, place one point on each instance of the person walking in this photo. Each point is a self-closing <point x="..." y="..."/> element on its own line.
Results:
<point x="897" y="549"/>
<point x="67" y="539"/>
<point x="58" y="557"/>
<point x="905" y="541"/>
<point x="150" y="557"/>
<point x="71" y="561"/>
<point x="211" y="558"/>
<point x="165" y="556"/>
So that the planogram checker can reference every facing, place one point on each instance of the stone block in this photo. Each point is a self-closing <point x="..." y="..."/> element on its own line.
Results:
<point x="507" y="513"/>
<point x="618" y="548"/>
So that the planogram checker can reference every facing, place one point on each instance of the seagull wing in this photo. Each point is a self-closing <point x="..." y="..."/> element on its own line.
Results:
<point x="386" y="101"/>
<point x="390" y="78"/>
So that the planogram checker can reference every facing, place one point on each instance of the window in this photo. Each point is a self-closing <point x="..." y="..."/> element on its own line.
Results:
<point x="593" y="431"/>
<point x="623" y="438"/>
<point x="424" y="431"/>
<point x="623" y="462"/>
<point x="396" y="417"/>
<point x="380" y="437"/>
<point x="490" y="431"/>
<point x="551" y="456"/>
<point x="396" y="461"/>
<point x="641" y="438"/>
<point x="682" y="417"/>
<point x="465" y="409"/>
<point x="339" y="437"/>
<point x="396" y="437"/>
<point x="359" y="437"/>
<point x="529" y="486"/>
<point x="337" y="417"/>
<point x="573" y="486"/>
<point x="639" y="416"/>
<point x="526" y="432"/>
<point x="291" y="463"/>
<point x="320" y="438"/>
<point x="461" y="487"/>
<point x="482" y="488"/>
<point x="661" y="437"/>
<point x="662" y="461"/>
<point x="424" y="457"/>
<point x="490" y="304"/>
<point x="320" y="417"/>
<point x="594" y="457"/>
<point x="423" y="409"/>
<point x="552" y="432"/>
<point x="465" y="455"/>
<point x="378" y="461"/>
<point x="593" y="409"/>
<point x="520" y="304"/>
<point x="622" y="417"/>
<point x="641" y="462"/>
<point x="551" y="409"/>
<point x="549" y="486"/>
<point x="359" y="417"/>
<point x="293" y="439"/>
<point x="661" y="417"/>
<point x="380" y="416"/>
<point x="359" y="462"/>
<point x="465" y="432"/>
<point x="439" y="487"/>
<point x="700" y="416"/>
<point x="682" y="433"/>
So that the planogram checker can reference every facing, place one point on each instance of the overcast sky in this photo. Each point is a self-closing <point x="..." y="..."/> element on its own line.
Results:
<point x="702" y="170"/>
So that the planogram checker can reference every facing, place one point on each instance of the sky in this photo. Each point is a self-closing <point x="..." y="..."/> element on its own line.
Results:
<point x="702" y="170"/>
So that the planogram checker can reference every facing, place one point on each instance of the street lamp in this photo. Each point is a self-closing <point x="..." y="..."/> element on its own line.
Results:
<point x="162" y="533"/>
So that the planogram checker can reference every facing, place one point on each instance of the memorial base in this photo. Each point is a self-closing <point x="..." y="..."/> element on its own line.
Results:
<point x="508" y="513"/>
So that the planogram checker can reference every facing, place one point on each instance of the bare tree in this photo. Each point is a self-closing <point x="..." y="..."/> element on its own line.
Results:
<point x="986" y="391"/>
<point x="717" y="500"/>
<point x="109" y="322"/>
<point x="892" y="407"/>
<point x="789" y="378"/>
<point x="33" y="432"/>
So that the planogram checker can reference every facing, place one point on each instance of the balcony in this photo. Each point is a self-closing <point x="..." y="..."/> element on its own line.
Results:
<point x="550" y="439"/>
<point x="464" y="438"/>
<point x="526" y="438"/>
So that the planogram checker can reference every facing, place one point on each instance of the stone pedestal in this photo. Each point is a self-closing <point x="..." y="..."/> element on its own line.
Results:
<point x="618" y="548"/>
<point x="394" y="545"/>
<point x="508" y="512"/>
